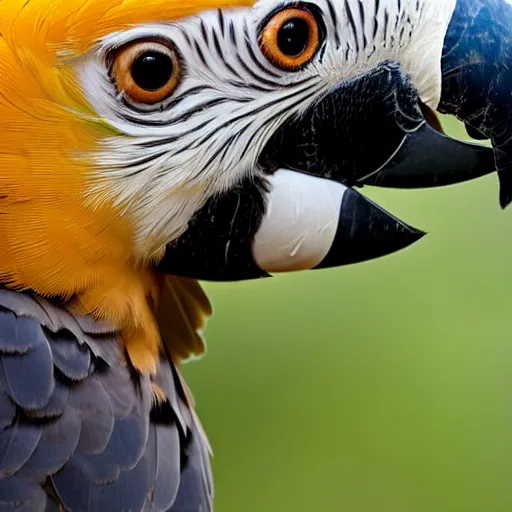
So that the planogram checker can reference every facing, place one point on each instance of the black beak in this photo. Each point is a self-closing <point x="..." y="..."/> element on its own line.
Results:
<point x="301" y="212"/>
<point x="290" y="221"/>
<point x="371" y="131"/>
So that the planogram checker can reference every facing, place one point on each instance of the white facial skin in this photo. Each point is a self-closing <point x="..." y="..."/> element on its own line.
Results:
<point x="300" y="223"/>
<point x="171" y="157"/>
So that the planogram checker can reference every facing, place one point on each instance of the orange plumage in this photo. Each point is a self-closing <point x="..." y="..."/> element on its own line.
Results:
<point x="52" y="241"/>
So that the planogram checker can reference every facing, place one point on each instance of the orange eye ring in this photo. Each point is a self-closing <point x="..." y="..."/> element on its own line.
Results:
<point x="146" y="72"/>
<point x="290" y="38"/>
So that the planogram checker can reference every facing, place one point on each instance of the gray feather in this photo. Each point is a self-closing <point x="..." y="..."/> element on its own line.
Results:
<point x="56" y="446"/>
<point x="164" y="451"/>
<point x="7" y="410"/>
<point x="129" y="493"/>
<point x="123" y="393"/>
<point x="123" y="452"/>
<point x="80" y="495"/>
<point x="78" y="422"/>
<point x="167" y="382"/>
<point x="23" y="305"/>
<point x="195" y="493"/>
<point x="91" y="401"/>
<point x="9" y="342"/>
<point x="69" y="357"/>
<point x="106" y="348"/>
<point x="17" y="444"/>
<point x="21" y="496"/>
<point x="29" y="376"/>
<point x="55" y="406"/>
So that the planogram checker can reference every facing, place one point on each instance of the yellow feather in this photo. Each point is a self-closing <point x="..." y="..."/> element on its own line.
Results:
<point x="52" y="241"/>
<point x="182" y="313"/>
<point x="75" y="25"/>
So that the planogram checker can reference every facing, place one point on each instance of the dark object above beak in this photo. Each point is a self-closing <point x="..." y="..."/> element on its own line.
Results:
<point x="477" y="78"/>
<point x="300" y="213"/>
<point x="371" y="131"/>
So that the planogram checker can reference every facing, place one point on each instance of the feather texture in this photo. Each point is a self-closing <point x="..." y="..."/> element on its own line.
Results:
<point x="92" y="190"/>
<point x="182" y="313"/>
<point x="92" y="439"/>
<point x="54" y="241"/>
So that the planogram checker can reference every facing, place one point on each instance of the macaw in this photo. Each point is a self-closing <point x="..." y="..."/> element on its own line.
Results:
<point x="147" y="144"/>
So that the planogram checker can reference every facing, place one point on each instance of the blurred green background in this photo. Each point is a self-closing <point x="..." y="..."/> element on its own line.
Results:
<point x="383" y="386"/>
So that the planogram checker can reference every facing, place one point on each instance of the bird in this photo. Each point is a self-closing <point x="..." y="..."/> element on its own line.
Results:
<point x="146" y="146"/>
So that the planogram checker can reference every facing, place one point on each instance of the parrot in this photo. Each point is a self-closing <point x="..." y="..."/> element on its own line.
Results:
<point x="146" y="146"/>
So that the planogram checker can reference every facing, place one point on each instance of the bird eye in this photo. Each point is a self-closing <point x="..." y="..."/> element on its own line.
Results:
<point x="146" y="72"/>
<point x="290" y="38"/>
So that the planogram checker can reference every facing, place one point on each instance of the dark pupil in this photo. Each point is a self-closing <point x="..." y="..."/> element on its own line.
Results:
<point x="293" y="37"/>
<point x="151" y="70"/>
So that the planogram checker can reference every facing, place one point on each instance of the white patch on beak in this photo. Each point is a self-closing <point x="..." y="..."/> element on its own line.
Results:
<point x="300" y="223"/>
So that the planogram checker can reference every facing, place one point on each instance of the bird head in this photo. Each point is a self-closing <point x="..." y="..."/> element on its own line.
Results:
<point x="215" y="139"/>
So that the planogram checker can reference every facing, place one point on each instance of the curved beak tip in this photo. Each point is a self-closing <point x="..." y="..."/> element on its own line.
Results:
<point x="505" y="202"/>
<point x="505" y="179"/>
<point x="429" y="158"/>
<point x="417" y="235"/>
<point x="366" y="232"/>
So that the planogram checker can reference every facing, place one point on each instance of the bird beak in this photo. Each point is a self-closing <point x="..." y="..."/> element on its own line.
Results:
<point x="302" y="213"/>
<point x="372" y="131"/>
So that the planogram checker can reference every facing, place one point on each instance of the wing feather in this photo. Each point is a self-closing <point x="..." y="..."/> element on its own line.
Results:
<point x="92" y="403"/>
<point x="21" y="496"/>
<point x="165" y="465"/>
<point x="79" y="427"/>
<point x="55" y="406"/>
<point x="28" y="374"/>
<point x="58" y="442"/>
<point x="196" y="492"/>
<point x="7" y="410"/>
<point x="17" y="444"/>
<point x="72" y="359"/>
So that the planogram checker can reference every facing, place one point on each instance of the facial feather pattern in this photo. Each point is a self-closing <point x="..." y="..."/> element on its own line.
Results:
<point x="95" y="185"/>
<point x="170" y="158"/>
